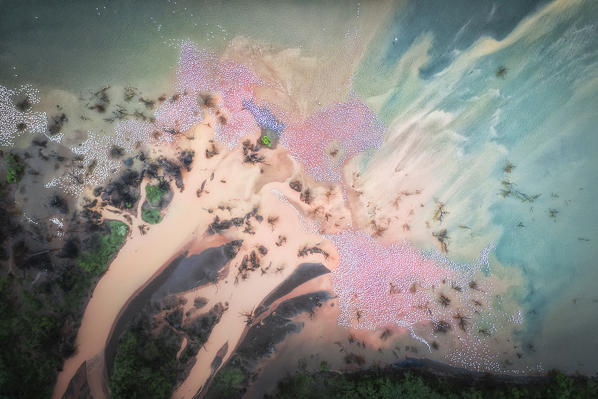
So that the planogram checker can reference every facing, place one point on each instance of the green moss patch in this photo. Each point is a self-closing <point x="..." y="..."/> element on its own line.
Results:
<point x="14" y="168"/>
<point x="151" y="216"/>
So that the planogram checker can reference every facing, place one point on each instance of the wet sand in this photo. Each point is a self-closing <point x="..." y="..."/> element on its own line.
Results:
<point x="239" y="186"/>
<point x="246" y="295"/>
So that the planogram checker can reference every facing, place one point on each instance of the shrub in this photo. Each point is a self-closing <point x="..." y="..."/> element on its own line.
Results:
<point x="144" y="366"/>
<point x="14" y="168"/>
<point x="391" y="383"/>
<point x="227" y="383"/>
<point x="96" y="261"/>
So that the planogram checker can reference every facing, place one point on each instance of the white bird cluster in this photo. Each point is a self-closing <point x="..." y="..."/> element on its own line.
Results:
<point x="176" y="116"/>
<point x="379" y="286"/>
<point x="14" y="122"/>
<point x="96" y="165"/>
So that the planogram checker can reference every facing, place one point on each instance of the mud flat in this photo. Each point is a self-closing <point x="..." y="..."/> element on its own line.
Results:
<point x="259" y="342"/>
<point x="303" y="273"/>
<point x="190" y="272"/>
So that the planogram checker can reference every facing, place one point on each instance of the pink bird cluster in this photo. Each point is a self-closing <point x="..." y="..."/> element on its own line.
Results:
<point x="380" y="285"/>
<point x="200" y="71"/>
<point x="326" y="139"/>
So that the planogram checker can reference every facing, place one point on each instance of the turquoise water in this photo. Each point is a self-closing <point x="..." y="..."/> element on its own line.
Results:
<point x="540" y="115"/>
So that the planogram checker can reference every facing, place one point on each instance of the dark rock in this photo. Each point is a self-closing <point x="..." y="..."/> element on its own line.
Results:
<point x="41" y="154"/>
<point x="201" y="327"/>
<point x="313" y="250"/>
<point x="212" y="151"/>
<point x="131" y="177"/>
<point x="199" y="302"/>
<point x="90" y="204"/>
<point x="296" y="185"/>
<point x="178" y="180"/>
<point x="306" y="196"/>
<point x="173" y="170"/>
<point x="262" y="250"/>
<point x="237" y="221"/>
<point x="208" y="100"/>
<point x="186" y="158"/>
<point x="59" y="203"/>
<point x="24" y="105"/>
<point x="175" y="318"/>
<point x="441" y="326"/>
<point x="152" y="170"/>
<point x="232" y="248"/>
<point x="56" y="124"/>
<point x="40" y="142"/>
<point x="123" y="192"/>
<point x="219" y="225"/>
<point x="116" y="151"/>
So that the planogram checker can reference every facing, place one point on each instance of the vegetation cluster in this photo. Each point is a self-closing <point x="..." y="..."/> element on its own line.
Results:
<point x="145" y="365"/>
<point x="397" y="383"/>
<point x="96" y="260"/>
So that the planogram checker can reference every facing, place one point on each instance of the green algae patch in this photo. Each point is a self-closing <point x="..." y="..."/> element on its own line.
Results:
<point x="96" y="260"/>
<point x="151" y="216"/>
<point x="157" y="197"/>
